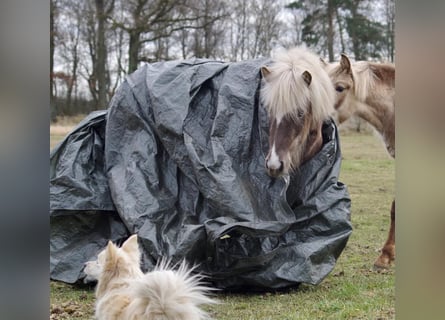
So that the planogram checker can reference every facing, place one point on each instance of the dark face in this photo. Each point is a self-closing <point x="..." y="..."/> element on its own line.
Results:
<point x="292" y="141"/>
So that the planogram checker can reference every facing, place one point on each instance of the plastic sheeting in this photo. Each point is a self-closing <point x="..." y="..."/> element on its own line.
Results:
<point x="179" y="160"/>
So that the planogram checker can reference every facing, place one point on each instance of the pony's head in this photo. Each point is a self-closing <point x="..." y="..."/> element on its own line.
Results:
<point x="299" y="97"/>
<point x="351" y="83"/>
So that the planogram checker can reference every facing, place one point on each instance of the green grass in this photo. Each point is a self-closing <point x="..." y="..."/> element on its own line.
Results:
<point x="352" y="291"/>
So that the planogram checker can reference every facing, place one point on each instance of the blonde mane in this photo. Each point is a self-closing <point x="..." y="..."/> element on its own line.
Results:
<point x="285" y="91"/>
<point x="364" y="79"/>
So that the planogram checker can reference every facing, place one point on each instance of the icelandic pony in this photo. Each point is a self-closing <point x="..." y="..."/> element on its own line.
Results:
<point x="299" y="97"/>
<point x="367" y="90"/>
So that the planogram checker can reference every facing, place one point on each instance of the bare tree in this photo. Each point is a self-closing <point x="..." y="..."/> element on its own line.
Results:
<point x="390" y="27"/>
<point x="330" y="34"/>
<point x="294" y="29"/>
<point x="67" y="46"/>
<point x="239" y="29"/>
<point x="340" y="29"/>
<point x="265" y="26"/>
<point x="52" y="47"/>
<point x="147" y="22"/>
<point x="206" y="39"/>
<point x="89" y="32"/>
<point x="94" y="30"/>
<point x="94" y="44"/>
<point x="52" y="37"/>
<point x="254" y="28"/>
<point x="71" y="46"/>
<point x="145" y="17"/>
<point x="103" y="10"/>
<point x="118" y="59"/>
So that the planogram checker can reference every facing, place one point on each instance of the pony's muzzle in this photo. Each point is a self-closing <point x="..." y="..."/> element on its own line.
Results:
<point x="274" y="168"/>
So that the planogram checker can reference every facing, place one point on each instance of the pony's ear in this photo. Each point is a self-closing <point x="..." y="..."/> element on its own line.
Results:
<point x="345" y="64"/>
<point x="323" y="62"/>
<point x="265" y="72"/>
<point x="307" y="77"/>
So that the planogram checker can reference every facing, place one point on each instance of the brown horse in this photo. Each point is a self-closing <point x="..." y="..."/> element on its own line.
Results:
<point x="299" y="97"/>
<point x="367" y="90"/>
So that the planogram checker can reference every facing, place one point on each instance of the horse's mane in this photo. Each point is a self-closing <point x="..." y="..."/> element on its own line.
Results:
<point x="364" y="79"/>
<point x="285" y="91"/>
<point x="367" y="75"/>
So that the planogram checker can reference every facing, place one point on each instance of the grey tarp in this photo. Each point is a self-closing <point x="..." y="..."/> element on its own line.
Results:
<point x="179" y="160"/>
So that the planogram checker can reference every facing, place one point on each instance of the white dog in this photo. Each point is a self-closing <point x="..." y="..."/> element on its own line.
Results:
<point x="124" y="292"/>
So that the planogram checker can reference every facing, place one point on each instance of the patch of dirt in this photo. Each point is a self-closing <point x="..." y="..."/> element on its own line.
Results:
<point x="66" y="310"/>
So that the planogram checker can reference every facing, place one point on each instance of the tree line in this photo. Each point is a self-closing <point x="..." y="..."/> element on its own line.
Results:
<point x="94" y="44"/>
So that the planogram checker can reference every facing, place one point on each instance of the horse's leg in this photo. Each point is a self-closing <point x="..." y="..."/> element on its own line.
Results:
<point x="388" y="254"/>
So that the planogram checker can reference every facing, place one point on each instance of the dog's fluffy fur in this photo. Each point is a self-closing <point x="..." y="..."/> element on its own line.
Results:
<point x="124" y="292"/>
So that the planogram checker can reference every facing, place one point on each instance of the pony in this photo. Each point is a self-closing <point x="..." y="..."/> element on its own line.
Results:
<point x="367" y="90"/>
<point x="299" y="97"/>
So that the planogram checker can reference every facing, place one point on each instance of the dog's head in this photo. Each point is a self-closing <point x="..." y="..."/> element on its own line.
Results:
<point x="113" y="261"/>
<point x="92" y="271"/>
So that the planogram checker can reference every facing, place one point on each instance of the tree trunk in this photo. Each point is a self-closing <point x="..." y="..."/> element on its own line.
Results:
<point x="72" y="80"/>
<point x="101" y="56"/>
<point x="340" y="31"/>
<point x="330" y="31"/>
<point x="354" y="37"/>
<point x="133" y="51"/>
<point x="243" y="29"/>
<point x="390" y="28"/>
<point x="51" y="48"/>
<point x="52" y="88"/>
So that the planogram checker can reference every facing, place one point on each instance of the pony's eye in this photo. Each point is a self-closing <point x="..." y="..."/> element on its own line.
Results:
<point x="300" y="114"/>
<point x="339" y="88"/>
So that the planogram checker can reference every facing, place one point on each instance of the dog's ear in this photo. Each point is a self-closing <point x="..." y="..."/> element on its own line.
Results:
<point x="110" y="252"/>
<point x="131" y="247"/>
<point x="131" y="244"/>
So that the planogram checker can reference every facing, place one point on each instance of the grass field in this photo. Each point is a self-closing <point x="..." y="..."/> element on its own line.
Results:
<point x="352" y="291"/>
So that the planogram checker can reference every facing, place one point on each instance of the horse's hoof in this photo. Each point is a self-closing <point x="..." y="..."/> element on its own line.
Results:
<point x="379" y="267"/>
<point x="382" y="264"/>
